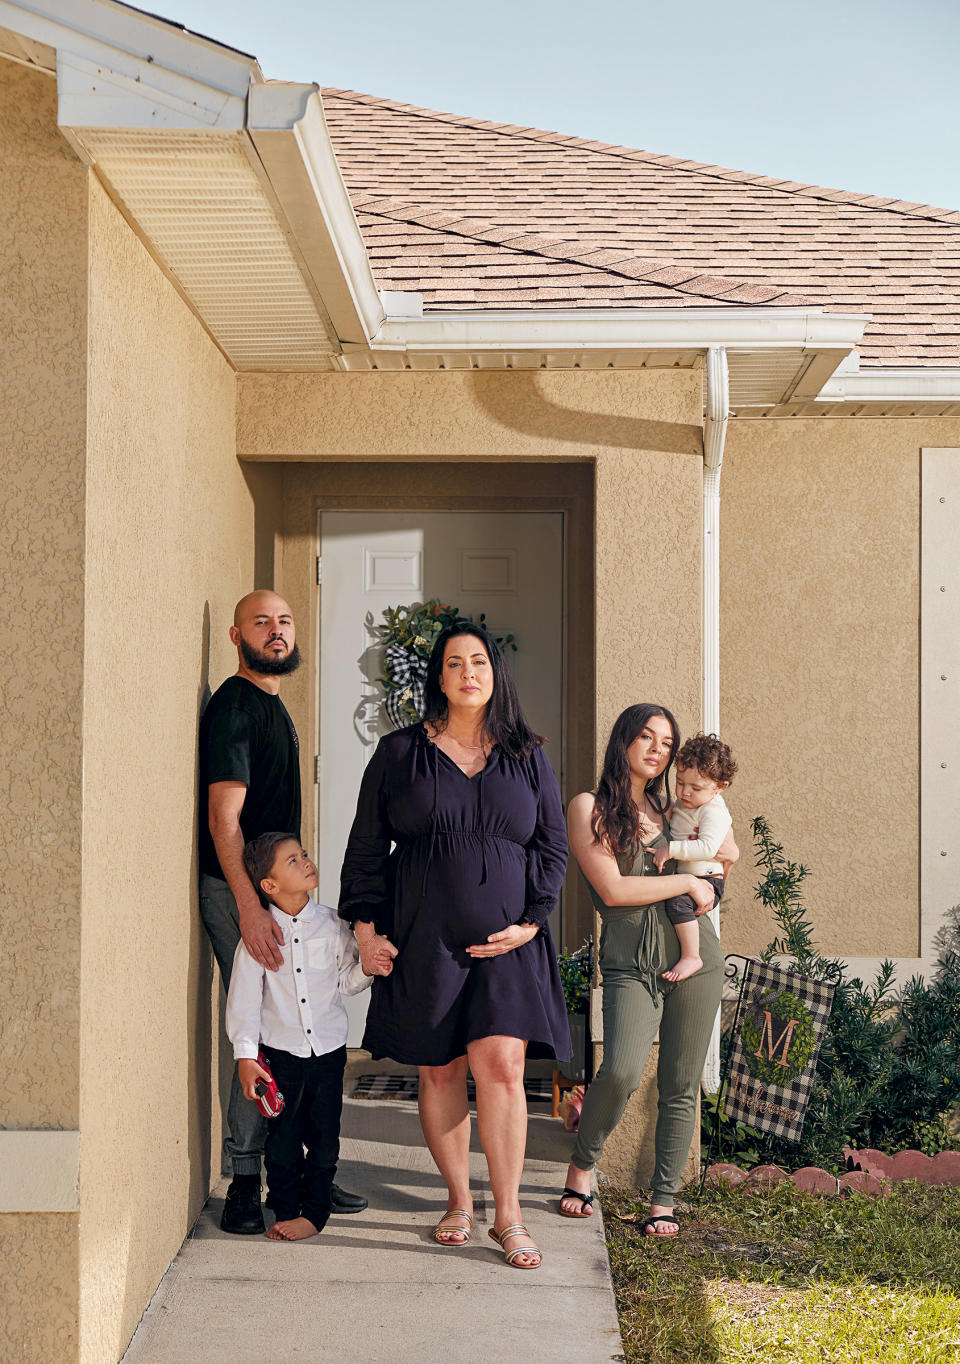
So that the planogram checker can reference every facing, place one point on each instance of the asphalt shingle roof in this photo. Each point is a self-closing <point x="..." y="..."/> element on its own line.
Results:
<point x="480" y="215"/>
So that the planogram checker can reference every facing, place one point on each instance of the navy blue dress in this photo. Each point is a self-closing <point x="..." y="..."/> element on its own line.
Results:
<point x="472" y="855"/>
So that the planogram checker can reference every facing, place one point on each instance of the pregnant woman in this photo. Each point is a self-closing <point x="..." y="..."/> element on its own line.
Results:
<point x="612" y="831"/>
<point x="461" y="903"/>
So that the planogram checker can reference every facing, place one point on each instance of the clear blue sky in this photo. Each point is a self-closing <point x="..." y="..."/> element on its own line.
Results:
<point x="853" y="95"/>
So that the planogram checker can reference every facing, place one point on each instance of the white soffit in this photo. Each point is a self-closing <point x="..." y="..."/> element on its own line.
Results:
<point x="200" y="205"/>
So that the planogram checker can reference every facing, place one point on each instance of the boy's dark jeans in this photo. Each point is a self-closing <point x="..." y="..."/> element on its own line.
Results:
<point x="312" y="1088"/>
<point x="681" y="908"/>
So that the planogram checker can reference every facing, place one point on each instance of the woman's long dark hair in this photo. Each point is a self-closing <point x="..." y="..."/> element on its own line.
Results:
<point x="616" y="821"/>
<point x="504" y="723"/>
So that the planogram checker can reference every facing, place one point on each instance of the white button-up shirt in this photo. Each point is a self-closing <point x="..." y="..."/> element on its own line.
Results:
<point x="298" y="1008"/>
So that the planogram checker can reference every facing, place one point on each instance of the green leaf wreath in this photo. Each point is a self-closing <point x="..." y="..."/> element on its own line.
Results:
<point x="782" y="1008"/>
<point x="408" y="636"/>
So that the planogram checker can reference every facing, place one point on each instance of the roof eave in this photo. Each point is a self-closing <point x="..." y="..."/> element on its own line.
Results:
<point x="775" y="354"/>
<point x="632" y="329"/>
<point x="287" y="127"/>
<point x="921" y="385"/>
<point x="148" y="71"/>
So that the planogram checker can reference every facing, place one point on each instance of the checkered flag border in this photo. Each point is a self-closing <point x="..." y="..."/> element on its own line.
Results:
<point x="760" y="1103"/>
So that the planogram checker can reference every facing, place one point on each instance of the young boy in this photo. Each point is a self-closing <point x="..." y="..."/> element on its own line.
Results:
<point x="699" y="822"/>
<point x="295" y="1016"/>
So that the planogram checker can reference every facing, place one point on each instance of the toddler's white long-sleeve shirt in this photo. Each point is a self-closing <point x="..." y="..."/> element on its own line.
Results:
<point x="695" y="836"/>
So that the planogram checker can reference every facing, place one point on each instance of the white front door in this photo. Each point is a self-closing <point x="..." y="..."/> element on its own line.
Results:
<point x="507" y="565"/>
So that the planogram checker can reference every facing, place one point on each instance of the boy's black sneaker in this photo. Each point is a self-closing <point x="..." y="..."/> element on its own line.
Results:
<point x="242" y="1213"/>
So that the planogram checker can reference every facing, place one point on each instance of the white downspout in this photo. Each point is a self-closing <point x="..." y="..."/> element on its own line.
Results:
<point x="714" y="436"/>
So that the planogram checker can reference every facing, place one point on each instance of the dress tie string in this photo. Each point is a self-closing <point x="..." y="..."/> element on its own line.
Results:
<point x="483" y="832"/>
<point x="433" y="758"/>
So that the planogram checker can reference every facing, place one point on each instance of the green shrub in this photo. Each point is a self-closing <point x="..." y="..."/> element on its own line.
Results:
<point x="888" y="1074"/>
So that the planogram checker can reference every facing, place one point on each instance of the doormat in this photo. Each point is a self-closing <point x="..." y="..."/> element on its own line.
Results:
<point x="407" y="1087"/>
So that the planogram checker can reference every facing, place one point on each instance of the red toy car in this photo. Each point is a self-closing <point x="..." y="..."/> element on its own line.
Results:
<point x="269" y="1098"/>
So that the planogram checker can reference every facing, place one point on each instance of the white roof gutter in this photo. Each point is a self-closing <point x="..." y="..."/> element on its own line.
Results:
<point x="892" y="386"/>
<point x="152" y="73"/>
<point x="753" y="329"/>
<point x="286" y="124"/>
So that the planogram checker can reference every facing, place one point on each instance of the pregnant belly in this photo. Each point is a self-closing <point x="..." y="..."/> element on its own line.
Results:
<point x="473" y="888"/>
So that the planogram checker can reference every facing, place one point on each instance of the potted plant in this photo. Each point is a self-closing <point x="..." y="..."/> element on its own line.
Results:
<point x="576" y="969"/>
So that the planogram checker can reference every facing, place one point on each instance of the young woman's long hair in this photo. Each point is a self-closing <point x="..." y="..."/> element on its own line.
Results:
<point x="504" y="723"/>
<point x="617" y="819"/>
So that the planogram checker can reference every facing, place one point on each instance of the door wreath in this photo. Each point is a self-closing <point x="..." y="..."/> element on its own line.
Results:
<point x="408" y="636"/>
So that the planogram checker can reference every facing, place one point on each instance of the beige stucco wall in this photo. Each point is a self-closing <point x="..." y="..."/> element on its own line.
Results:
<point x="475" y="415"/>
<point x="169" y="550"/>
<point x="819" y="667"/>
<point x="42" y="417"/>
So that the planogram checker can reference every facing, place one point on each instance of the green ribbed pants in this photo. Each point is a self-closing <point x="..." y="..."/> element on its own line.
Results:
<point x="683" y="1014"/>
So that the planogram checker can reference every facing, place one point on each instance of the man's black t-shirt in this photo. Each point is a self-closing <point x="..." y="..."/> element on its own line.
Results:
<point x="247" y="735"/>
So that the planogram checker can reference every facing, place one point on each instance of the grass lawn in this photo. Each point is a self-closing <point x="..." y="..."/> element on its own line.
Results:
<point x="786" y="1276"/>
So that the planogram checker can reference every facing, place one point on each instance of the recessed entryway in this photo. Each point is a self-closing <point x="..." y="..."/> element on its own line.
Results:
<point x="507" y="566"/>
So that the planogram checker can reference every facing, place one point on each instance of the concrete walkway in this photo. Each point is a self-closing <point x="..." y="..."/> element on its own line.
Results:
<point x="375" y="1287"/>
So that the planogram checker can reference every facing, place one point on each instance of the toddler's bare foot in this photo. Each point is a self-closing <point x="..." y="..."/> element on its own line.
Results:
<point x="686" y="966"/>
<point x="296" y="1229"/>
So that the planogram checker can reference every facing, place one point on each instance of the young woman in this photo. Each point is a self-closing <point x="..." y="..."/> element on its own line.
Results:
<point x="462" y="903"/>
<point x="611" y="833"/>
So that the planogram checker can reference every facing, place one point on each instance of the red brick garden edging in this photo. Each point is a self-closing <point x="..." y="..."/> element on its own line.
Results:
<point x="868" y="1172"/>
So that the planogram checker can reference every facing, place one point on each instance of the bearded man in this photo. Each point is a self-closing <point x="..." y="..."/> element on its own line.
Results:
<point x="249" y="785"/>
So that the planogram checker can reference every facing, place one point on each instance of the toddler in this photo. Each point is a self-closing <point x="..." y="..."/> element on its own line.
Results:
<point x="699" y="822"/>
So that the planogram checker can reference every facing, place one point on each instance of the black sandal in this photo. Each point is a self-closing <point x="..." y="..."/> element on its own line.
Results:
<point x="660" y="1217"/>
<point x="585" y="1199"/>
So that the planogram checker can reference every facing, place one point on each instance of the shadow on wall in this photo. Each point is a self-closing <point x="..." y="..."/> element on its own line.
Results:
<point x="531" y="414"/>
<point x="186" y="1113"/>
<point x="200" y="1020"/>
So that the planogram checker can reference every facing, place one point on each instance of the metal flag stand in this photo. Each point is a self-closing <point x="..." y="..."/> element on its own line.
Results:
<point x="830" y="972"/>
<point x="731" y="971"/>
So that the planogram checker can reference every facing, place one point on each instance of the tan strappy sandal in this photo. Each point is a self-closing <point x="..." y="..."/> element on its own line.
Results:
<point x="463" y="1232"/>
<point x="512" y="1256"/>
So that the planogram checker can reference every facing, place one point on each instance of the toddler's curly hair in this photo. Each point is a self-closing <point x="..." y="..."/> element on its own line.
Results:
<point x="710" y="756"/>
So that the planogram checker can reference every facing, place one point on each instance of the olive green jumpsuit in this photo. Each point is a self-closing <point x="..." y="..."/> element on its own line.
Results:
<point x="636" y="945"/>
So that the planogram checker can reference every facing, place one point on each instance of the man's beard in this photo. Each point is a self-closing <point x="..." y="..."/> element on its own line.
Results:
<point x="268" y="665"/>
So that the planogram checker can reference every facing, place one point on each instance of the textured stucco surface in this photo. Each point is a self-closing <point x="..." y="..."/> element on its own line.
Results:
<point x="43" y="233"/>
<point x="819" y="658"/>
<point x="170" y="545"/>
<point x="540" y="414"/>
<point x="648" y="609"/>
<point x="38" y="1288"/>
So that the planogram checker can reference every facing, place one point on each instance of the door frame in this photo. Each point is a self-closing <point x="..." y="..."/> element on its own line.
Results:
<point x="309" y="490"/>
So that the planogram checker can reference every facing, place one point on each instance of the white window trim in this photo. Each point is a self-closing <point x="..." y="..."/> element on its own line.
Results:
<point x="939" y="700"/>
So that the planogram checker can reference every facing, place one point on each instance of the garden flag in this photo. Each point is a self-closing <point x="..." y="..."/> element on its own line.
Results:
<point x="774" y="1048"/>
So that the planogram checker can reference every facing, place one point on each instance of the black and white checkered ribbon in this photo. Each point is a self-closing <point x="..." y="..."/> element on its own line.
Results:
<point x="405" y="665"/>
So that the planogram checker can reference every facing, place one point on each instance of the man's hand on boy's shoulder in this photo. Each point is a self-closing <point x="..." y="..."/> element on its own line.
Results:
<point x="262" y="935"/>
